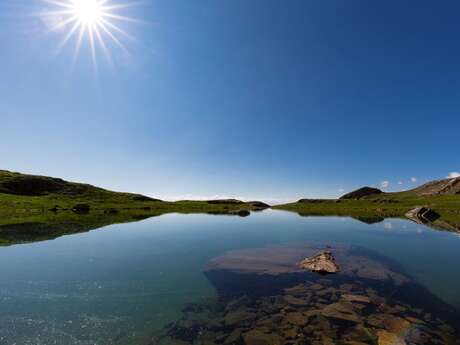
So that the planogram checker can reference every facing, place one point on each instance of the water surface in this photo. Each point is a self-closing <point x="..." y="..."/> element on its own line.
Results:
<point x="124" y="283"/>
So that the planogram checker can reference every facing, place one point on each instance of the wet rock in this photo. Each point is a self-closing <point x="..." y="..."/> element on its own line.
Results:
<point x="341" y="311"/>
<point x="280" y="260"/>
<point x="397" y="325"/>
<point x="422" y="215"/>
<point x="298" y="290"/>
<point x="295" y="318"/>
<point x="387" y="338"/>
<point x="294" y="301"/>
<point x="238" y="303"/>
<point x="356" y="298"/>
<point x="323" y="263"/>
<point x="363" y="305"/>
<point x="233" y="338"/>
<point x="256" y="337"/>
<point x="238" y="318"/>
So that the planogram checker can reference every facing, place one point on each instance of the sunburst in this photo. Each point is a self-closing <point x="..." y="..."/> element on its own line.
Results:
<point x="93" y="20"/>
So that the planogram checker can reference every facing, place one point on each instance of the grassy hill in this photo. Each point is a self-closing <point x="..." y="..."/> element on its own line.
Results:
<point x="36" y="208"/>
<point x="378" y="205"/>
<point x="23" y="194"/>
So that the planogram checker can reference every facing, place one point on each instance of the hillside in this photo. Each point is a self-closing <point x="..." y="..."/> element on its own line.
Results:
<point x="22" y="193"/>
<point x="442" y="196"/>
<point x="439" y="187"/>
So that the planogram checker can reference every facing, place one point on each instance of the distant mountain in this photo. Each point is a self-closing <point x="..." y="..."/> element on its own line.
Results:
<point x="361" y="193"/>
<point x="449" y="186"/>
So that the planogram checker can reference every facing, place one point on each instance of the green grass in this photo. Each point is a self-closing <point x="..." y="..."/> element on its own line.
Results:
<point x="38" y="224"/>
<point x="384" y="205"/>
<point x="26" y="194"/>
<point x="34" y="208"/>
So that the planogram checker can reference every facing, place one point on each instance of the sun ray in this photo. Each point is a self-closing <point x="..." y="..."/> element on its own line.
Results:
<point x="112" y="36"/>
<point x="120" y="6"/>
<point x="92" y="21"/>
<point x="92" y="46"/>
<point x="63" y="23"/>
<point x="67" y="37"/>
<point x="102" y="43"/>
<point x="56" y="13"/>
<point x="79" y="42"/>
<point x="117" y="29"/>
<point x="116" y="16"/>
<point x="66" y="4"/>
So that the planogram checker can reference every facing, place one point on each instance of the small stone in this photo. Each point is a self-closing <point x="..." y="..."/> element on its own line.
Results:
<point x="322" y="263"/>
<point x="295" y="301"/>
<point x="295" y="318"/>
<point x="356" y="298"/>
<point x="387" y="338"/>
<point x="256" y="337"/>
<point x="238" y="317"/>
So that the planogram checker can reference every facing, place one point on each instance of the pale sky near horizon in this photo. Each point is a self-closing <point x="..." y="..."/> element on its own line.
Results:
<point x="258" y="99"/>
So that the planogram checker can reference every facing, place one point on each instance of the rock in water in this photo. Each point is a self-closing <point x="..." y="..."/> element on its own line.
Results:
<point x="322" y="263"/>
<point x="422" y="215"/>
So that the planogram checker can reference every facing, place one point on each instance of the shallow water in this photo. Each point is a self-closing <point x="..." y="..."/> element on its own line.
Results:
<point x="123" y="283"/>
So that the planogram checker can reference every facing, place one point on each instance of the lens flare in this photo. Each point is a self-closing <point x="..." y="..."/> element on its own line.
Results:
<point x="96" y="21"/>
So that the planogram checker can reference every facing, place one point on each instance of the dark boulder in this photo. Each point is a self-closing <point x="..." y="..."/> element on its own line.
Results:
<point x="111" y="211"/>
<point x="362" y="192"/>
<point x="81" y="208"/>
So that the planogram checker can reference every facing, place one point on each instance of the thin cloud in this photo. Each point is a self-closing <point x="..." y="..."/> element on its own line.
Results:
<point x="453" y="174"/>
<point x="413" y="179"/>
<point x="400" y="182"/>
<point x="268" y="200"/>
<point x="384" y="184"/>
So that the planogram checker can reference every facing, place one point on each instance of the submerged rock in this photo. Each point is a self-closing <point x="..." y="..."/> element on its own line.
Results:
<point x="266" y="298"/>
<point x="422" y="215"/>
<point x="329" y="314"/>
<point x="81" y="208"/>
<point x="322" y="263"/>
<point x="281" y="260"/>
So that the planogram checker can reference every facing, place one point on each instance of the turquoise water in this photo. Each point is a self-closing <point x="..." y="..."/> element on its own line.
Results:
<point x="121" y="283"/>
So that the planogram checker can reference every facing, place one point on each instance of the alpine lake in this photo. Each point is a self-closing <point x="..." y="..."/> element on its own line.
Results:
<point x="218" y="279"/>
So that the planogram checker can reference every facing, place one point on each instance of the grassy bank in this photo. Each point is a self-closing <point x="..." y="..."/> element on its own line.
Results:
<point x="22" y="225"/>
<point x="383" y="205"/>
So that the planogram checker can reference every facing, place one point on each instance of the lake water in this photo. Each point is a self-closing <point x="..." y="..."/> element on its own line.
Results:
<point x="129" y="283"/>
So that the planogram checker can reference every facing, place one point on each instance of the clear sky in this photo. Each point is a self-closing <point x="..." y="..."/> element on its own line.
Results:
<point x="257" y="99"/>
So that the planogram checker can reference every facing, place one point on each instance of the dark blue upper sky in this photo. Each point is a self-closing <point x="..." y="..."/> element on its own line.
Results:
<point x="260" y="98"/>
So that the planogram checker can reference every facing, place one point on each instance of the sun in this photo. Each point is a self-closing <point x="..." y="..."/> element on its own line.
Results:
<point x="88" y="12"/>
<point x="96" y="21"/>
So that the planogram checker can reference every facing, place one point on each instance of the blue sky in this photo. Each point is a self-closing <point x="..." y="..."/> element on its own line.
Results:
<point x="256" y="99"/>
